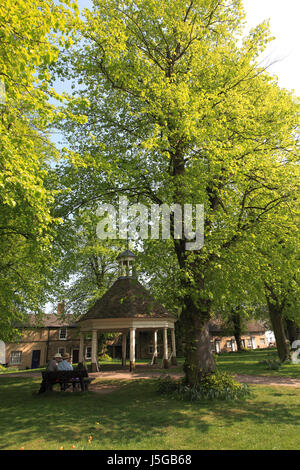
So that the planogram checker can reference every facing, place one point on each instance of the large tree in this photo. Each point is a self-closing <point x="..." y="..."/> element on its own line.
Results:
<point x="31" y="33"/>
<point x="179" y="110"/>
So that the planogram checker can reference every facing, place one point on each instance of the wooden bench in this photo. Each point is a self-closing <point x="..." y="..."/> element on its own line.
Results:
<point x="65" y="378"/>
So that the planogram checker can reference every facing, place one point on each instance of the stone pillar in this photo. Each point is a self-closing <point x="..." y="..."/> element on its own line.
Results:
<point x="173" y="360"/>
<point x="94" y="351"/>
<point x="132" y="349"/>
<point x="124" y="349"/>
<point x="137" y="343"/>
<point x="165" y="359"/>
<point x="155" y="360"/>
<point x="81" y="347"/>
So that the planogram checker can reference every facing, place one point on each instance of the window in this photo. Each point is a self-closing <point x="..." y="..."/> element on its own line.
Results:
<point x="243" y="343"/>
<point x="228" y="344"/>
<point x="15" y="357"/>
<point x="61" y="351"/>
<point x="262" y="340"/>
<point x="249" y="342"/>
<point x="88" y="352"/>
<point x="63" y="333"/>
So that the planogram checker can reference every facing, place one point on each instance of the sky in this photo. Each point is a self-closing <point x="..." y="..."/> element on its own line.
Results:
<point x="284" y="22"/>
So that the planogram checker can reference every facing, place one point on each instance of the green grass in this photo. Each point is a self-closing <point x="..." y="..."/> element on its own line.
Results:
<point x="248" y="363"/>
<point x="136" y="417"/>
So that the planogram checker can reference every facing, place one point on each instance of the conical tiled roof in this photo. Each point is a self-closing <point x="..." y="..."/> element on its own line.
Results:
<point x="126" y="298"/>
<point x="125" y="254"/>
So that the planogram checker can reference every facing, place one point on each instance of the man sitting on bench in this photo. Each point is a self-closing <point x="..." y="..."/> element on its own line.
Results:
<point x="51" y="367"/>
<point x="65" y="364"/>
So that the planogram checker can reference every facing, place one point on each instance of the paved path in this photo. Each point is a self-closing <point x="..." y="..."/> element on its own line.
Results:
<point x="250" y="379"/>
<point x="149" y="374"/>
<point x="267" y="380"/>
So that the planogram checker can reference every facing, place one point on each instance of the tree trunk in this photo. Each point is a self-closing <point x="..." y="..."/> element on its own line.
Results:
<point x="195" y="315"/>
<point x="199" y="359"/>
<point x="293" y="331"/>
<point x="237" y="329"/>
<point x="277" y="321"/>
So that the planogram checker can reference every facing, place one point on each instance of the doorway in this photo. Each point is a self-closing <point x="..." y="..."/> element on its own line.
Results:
<point x="35" y="361"/>
<point x="75" y="356"/>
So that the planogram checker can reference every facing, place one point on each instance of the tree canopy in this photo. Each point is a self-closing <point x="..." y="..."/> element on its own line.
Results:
<point x="179" y="109"/>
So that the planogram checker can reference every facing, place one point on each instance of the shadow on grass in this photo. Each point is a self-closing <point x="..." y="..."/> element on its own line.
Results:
<point x="134" y="415"/>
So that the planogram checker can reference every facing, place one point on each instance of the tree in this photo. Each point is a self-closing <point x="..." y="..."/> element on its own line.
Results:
<point x="268" y="269"/>
<point x="31" y="33"/>
<point x="236" y="326"/>
<point x="179" y="111"/>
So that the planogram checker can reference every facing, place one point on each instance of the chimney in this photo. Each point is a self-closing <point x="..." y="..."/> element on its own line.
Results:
<point x="61" y="308"/>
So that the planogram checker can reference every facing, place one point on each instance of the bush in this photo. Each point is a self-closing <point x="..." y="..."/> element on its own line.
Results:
<point x="4" y="369"/>
<point x="167" y="385"/>
<point x="105" y="357"/>
<point x="272" y="364"/>
<point x="216" y="386"/>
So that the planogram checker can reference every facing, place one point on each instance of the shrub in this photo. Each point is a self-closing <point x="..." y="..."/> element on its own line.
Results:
<point x="216" y="386"/>
<point x="105" y="357"/>
<point x="167" y="385"/>
<point x="272" y="364"/>
<point x="8" y="369"/>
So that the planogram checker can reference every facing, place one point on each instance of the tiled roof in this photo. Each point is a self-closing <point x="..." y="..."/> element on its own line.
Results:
<point x="127" y="298"/>
<point x="216" y="326"/>
<point x="125" y="254"/>
<point x="50" y="320"/>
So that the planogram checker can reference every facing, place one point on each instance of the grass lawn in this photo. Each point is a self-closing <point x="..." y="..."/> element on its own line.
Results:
<point x="134" y="416"/>
<point x="246" y="362"/>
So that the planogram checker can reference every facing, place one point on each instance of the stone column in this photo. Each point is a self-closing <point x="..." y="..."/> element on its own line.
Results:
<point x="155" y="360"/>
<point x="81" y="347"/>
<point x="124" y="349"/>
<point x="137" y="344"/>
<point x="94" y="351"/>
<point x="132" y="349"/>
<point x="173" y="360"/>
<point x="165" y="359"/>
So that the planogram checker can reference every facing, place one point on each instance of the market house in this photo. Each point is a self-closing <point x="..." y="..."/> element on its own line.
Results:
<point x="127" y="307"/>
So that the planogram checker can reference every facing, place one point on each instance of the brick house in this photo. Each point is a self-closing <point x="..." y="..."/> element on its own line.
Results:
<point x="254" y="338"/>
<point x="39" y="342"/>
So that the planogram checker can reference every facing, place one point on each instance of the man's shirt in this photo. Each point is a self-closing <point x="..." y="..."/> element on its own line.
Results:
<point x="64" y="365"/>
<point x="52" y="366"/>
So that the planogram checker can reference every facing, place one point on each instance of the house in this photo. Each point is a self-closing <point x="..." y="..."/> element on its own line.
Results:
<point x="254" y="338"/>
<point x="41" y="340"/>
